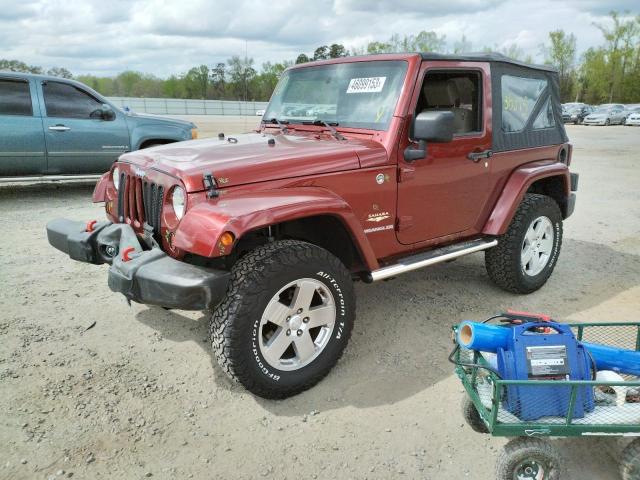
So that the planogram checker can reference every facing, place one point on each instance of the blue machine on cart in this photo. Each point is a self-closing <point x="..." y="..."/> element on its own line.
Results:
<point x="533" y="352"/>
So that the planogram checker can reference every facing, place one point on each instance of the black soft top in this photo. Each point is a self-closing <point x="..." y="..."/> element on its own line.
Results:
<point x="485" y="57"/>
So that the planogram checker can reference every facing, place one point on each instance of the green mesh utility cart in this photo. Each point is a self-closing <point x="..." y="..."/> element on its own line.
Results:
<point x="530" y="455"/>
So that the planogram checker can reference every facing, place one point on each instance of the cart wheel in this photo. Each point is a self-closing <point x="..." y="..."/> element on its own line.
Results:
<point x="472" y="417"/>
<point x="527" y="458"/>
<point x="630" y="462"/>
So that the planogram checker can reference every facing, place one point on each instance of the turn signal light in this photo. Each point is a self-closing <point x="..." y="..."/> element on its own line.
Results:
<point x="227" y="239"/>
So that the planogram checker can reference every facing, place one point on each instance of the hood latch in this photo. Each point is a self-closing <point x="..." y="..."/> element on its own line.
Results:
<point x="210" y="185"/>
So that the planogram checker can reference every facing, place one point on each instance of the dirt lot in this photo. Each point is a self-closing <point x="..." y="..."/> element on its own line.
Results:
<point x="140" y="393"/>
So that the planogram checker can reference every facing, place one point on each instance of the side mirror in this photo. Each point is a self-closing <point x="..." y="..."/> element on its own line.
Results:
<point x="107" y="113"/>
<point x="434" y="127"/>
<point x="104" y="113"/>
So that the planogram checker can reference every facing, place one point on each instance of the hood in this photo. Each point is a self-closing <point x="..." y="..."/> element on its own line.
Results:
<point x="157" y="119"/>
<point x="255" y="157"/>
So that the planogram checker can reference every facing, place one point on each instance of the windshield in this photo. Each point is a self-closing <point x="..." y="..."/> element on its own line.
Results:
<point x="358" y="94"/>
<point x="603" y="109"/>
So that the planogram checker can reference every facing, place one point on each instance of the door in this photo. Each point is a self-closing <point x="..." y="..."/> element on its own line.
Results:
<point x="444" y="193"/>
<point x="22" y="147"/>
<point x="78" y="139"/>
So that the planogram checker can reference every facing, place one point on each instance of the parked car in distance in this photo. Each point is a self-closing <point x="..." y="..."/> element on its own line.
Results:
<point x="575" y="112"/>
<point x="53" y="126"/>
<point x="259" y="113"/>
<point x="630" y="110"/>
<point x="267" y="230"/>
<point x="606" y="114"/>
<point x="633" y="120"/>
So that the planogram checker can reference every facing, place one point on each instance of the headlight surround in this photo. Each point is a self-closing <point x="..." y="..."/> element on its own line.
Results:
<point x="178" y="202"/>
<point x="115" y="177"/>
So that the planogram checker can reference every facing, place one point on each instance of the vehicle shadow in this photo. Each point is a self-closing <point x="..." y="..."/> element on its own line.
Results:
<point x="402" y="335"/>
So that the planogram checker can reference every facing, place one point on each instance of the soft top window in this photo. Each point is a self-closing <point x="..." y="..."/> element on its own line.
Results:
<point x="519" y="97"/>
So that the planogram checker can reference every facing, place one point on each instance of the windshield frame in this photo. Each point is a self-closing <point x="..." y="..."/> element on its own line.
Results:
<point x="309" y="121"/>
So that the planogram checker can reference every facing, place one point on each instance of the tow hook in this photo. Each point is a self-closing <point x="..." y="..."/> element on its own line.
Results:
<point x="126" y="253"/>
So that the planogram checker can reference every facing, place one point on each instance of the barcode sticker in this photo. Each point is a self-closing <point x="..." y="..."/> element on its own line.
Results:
<point x="366" y="85"/>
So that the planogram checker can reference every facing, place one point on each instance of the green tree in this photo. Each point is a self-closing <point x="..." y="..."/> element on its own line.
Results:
<point x="561" y="53"/>
<point x="241" y="72"/>
<point x="337" y="50"/>
<point x="302" y="58"/>
<point x="59" y="72"/>
<point x="197" y="82"/>
<point x="18" y="66"/>
<point x="321" y="53"/>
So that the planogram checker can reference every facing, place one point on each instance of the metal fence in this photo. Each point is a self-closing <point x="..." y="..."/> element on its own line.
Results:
<point x="174" y="106"/>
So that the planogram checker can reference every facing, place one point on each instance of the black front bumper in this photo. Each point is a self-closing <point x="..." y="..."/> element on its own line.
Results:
<point x="150" y="276"/>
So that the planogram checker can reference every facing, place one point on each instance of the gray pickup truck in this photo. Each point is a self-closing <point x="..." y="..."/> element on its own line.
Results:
<point x="54" y="127"/>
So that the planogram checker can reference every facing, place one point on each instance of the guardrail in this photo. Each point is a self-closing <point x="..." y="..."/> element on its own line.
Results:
<point x="175" y="106"/>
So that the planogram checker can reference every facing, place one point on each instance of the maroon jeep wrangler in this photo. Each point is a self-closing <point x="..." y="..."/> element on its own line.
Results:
<point x="362" y="168"/>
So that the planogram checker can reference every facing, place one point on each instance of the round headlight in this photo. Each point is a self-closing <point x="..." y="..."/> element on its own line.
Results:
<point x="178" y="202"/>
<point x="116" y="177"/>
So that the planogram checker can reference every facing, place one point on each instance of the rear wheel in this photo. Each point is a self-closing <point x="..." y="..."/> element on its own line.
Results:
<point x="630" y="461"/>
<point x="529" y="459"/>
<point x="286" y="319"/>
<point x="527" y="253"/>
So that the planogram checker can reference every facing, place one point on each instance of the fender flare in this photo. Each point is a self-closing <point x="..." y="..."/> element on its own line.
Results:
<point x="200" y="230"/>
<point x="173" y="133"/>
<point x="100" y="190"/>
<point x="516" y="187"/>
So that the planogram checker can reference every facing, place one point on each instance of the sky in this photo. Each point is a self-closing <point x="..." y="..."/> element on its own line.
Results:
<point x="169" y="37"/>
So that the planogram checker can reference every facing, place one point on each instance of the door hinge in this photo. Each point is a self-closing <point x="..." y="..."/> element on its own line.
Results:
<point x="404" y="222"/>
<point x="406" y="173"/>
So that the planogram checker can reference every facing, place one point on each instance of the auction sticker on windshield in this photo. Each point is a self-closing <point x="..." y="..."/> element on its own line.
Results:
<point x="366" y="85"/>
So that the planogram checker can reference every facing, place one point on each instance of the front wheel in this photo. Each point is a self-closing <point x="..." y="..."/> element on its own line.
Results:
<point x="286" y="319"/>
<point x="527" y="253"/>
<point x="529" y="459"/>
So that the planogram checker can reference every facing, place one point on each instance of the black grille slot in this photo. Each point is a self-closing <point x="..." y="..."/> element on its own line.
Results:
<point x="121" y="191"/>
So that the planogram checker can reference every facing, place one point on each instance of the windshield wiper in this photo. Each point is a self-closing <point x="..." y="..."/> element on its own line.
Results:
<point x="280" y="123"/>
<point x="329" y="125"/>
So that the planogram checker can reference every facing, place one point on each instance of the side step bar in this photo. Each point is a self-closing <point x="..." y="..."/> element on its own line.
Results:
<point x="424" y="259"/>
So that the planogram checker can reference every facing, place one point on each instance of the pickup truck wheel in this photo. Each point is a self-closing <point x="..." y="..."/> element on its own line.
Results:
<point x="527" y="253"/>
<point x="286" y="318"/>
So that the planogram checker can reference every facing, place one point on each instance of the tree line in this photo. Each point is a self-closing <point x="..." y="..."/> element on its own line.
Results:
<point x="607" y="73"/>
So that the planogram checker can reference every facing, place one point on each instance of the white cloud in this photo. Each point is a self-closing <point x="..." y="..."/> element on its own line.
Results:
<point x="92" y="36"/>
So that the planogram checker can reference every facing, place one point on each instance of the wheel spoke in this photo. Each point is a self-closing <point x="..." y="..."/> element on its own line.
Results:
<point x="277" y="345"/>
<point x="321" y="316"/>
<point x="277" y="312"/>
<point x="530" y="235"/>
<point x="539" y="228"/>
<point x="304" y="346"/>
<point x="304" y="295"/>
<point x="526" y="256"/>
<point x="546" y="245"/>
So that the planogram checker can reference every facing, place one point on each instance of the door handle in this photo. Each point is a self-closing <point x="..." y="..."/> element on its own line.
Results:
<point x="59" y="128"/>
<point x="477" y="156"/>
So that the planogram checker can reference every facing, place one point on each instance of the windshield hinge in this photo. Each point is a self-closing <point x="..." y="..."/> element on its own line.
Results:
<point x="210" y="185"/>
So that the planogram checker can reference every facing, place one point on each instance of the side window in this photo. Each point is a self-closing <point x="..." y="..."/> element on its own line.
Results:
<point x="15" y="98"/>
<point x="545" y="117"/>
<point x="519" y="97"/>
<point x="64" y="100"/>
<point x="458" y="92"/>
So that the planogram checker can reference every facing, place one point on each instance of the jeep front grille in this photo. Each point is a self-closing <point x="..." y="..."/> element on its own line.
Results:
<point x="140" y="201"/>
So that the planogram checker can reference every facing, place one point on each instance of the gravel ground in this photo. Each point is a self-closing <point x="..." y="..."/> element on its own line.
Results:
<point x="93" y="388"/>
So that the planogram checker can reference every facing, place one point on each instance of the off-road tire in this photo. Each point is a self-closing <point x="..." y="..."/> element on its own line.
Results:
<point x="521" y="449"/>
<point x="630" y="461"/>
<point x="471" y="415"/>
<point x="255" y="279"/>
<point x="503" y="262"/>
